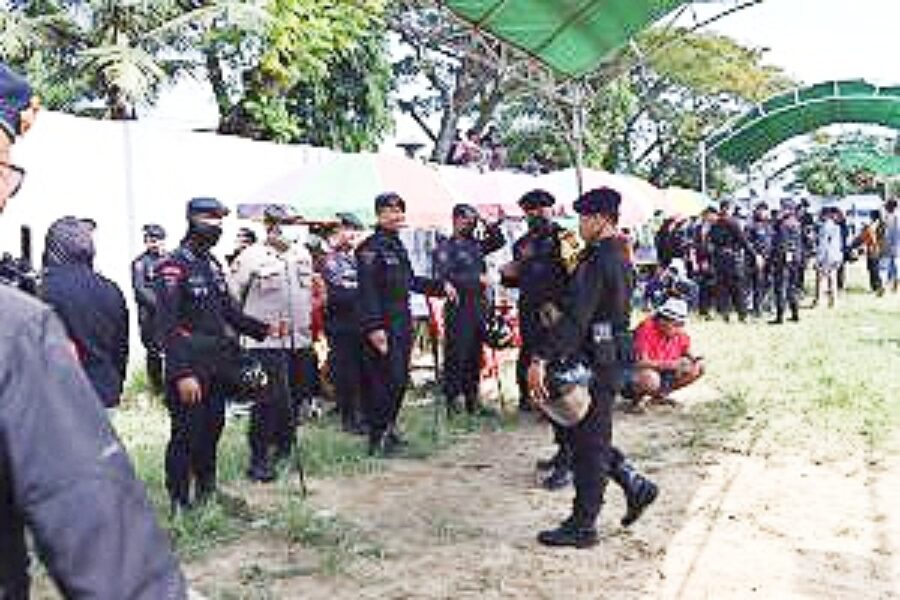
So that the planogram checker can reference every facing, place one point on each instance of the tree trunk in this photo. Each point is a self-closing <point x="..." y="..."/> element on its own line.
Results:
<point x="444" y="143"/>
<point x="217" y="80"/>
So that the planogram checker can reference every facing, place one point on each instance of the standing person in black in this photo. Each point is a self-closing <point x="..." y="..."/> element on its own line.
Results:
<point x="592" y="324"/>
<point x="143" y="277"/>
<point x="787" y="263"/>
<point x="91" y="306"/>
<point x="459" y="264"/>
<point x="542" y="260"/>
<point x="64" y="475"/>
<point x="759" y="234"/>
<point x="385" y="281"/>
<point x="729" y="248"/>
<point x="345" y="343"/>
<point x="195" y="316"/>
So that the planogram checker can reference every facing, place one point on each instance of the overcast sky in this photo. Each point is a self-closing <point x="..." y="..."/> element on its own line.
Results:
<point x="813" y="40"/>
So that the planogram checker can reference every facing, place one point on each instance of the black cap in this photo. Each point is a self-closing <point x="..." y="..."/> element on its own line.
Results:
<point x="248" y="234"/>
<point x="350" y="221"/>
<point x="761" y="206"/>
<point x="536" y="199"/>
<point x="205" y="205"/>
<point x="15" y="98"/>
<point x="601" y="201"/>
<point x="389" y="199"/>
<point x="464" y="211"/>
<point x="152" y="230"/>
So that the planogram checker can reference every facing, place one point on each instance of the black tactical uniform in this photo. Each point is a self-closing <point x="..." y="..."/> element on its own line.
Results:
<point x="730" y="249"/>
<point x="345" y="342"/>
<point x="385" y="281"/>
<point x="541" y="279"/>
<point x="63" y="473"/>
<point x="460" y="262"/>
<point x="143" y="277"/>
<point x="195" y="312"/>
<point x="593" y="325"/>
<point x="786" y="260"/>
<point x="759" y="234"/>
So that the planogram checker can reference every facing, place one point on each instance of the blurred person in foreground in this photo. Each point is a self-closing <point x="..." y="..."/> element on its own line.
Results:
<point x="663" y="359"/>
<point x="64" y="474"/>
<point x="91" y="307"/>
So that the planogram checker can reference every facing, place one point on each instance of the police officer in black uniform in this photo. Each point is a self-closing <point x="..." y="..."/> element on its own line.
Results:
<point x="195" y="314"/>
<point x="592" y="324"/>
<point x="64" y="475"/>
<point x="385" y="280"/>
<point x="459" y="262"/>
<point x="759" y="234"/>
<point x="540" y="269"/>
<point x="143" y="276"/>
<point x="730" y="249"/>
<point x="345" y="343"/>
<point x="786" y="260"/>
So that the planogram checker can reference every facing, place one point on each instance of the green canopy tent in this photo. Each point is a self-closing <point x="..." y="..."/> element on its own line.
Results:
<point x="571" y="37"/>
<point x="784" y="116"/>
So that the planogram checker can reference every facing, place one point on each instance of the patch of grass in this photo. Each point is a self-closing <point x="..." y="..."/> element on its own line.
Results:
<point x="338" y="541"/>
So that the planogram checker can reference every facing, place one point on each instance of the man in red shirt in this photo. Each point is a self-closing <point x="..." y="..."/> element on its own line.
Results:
<point x="663" y="359"/>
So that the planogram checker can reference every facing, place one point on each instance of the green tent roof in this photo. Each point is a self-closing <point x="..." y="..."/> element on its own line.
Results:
<point x="788" y="115"/>
<point x="571" y="36"/>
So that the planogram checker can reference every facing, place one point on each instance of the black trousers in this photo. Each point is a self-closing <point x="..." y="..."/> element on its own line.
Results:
<point x="787" y="283"/>
<point x="345" y="361"/>
<point x="462" y="352"/>
<point x="594" y="457"/>
<point x="759" y="285"/>
<point x="154" y="355"/>
<point x="874" y="274"/>
<point x="191" y="454"/>
<point x="273" y="416"/>
<point x="730" y="292"/>
<point x="385" y="379"/>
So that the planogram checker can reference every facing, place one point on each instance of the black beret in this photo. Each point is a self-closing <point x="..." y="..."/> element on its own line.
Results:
<point x="206" y="205"/>
<point x="350" y="221"/>
<point x="15" y="97"/>
<point x="248" y="234"/>
<point x="464" y="211"/>
<point x="152" y="230"/>
<point x="536" y="199"/>
<point x="602" y="201"/>
<point x="761" y="206"/>
<point x="389" y="199"/>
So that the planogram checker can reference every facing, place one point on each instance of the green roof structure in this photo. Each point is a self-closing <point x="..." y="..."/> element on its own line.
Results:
<point x="573" y="37"/>
<point x="801" y="111"/>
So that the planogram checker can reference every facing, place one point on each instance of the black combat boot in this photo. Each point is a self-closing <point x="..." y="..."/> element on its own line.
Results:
<point x="569" y="533"/>
<point x="779" y="318"/>
<point x="640" y="492"/>
<point x="545" y="464"/>
<point x="560" y="477"/>
<point x="261" y="471"/>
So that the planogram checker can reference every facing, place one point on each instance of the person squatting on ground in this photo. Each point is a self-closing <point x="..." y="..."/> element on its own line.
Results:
<point x="64" y="475"/>
<point x="272" y="282"/>
<point x="829" y="257"/>
<point x="787" y="263"/>
<point x="459" y="265"/>
<point x="542" y="260"/>
<point x="143" y="278"/>
<point x="91" y="307"/>
<point x="663" y="359"/>
<point x="345" y="342"/>
<point x="385" y="281"/>
<point x="194" y="321"/>
<point x="591" y="324"/>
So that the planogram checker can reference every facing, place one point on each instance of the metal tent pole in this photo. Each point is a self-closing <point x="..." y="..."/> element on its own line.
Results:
<point x="579" y="116"/>
<point x="703" y="173"/>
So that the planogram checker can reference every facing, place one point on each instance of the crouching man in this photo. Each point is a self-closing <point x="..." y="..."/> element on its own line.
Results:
<point x="663" y="358"/>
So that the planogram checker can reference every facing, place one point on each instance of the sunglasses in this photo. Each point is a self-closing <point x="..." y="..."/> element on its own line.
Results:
<point x="13" y="176"/>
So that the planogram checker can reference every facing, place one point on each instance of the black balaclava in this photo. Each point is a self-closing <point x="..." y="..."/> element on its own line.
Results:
<point x="68" y="242"/>
<point x="203" y="235"/>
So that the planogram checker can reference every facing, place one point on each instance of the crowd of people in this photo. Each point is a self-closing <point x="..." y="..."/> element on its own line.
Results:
<point x="246" y="330"/>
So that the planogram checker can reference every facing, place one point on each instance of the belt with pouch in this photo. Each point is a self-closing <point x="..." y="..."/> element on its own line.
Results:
<point x="610" y="347"/>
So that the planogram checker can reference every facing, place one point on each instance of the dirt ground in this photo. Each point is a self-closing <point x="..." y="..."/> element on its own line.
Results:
<point x="736" y="518"/>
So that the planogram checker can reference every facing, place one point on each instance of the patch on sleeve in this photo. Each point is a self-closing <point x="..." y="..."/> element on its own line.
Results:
<point x="172" y="274"/>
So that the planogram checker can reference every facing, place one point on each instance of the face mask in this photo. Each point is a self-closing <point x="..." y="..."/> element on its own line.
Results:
<point x="206" y="234"/>
<point x="535" y="221"/>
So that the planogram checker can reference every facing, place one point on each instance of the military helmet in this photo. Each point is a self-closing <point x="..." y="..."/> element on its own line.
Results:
<point x="568" y="384"/>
